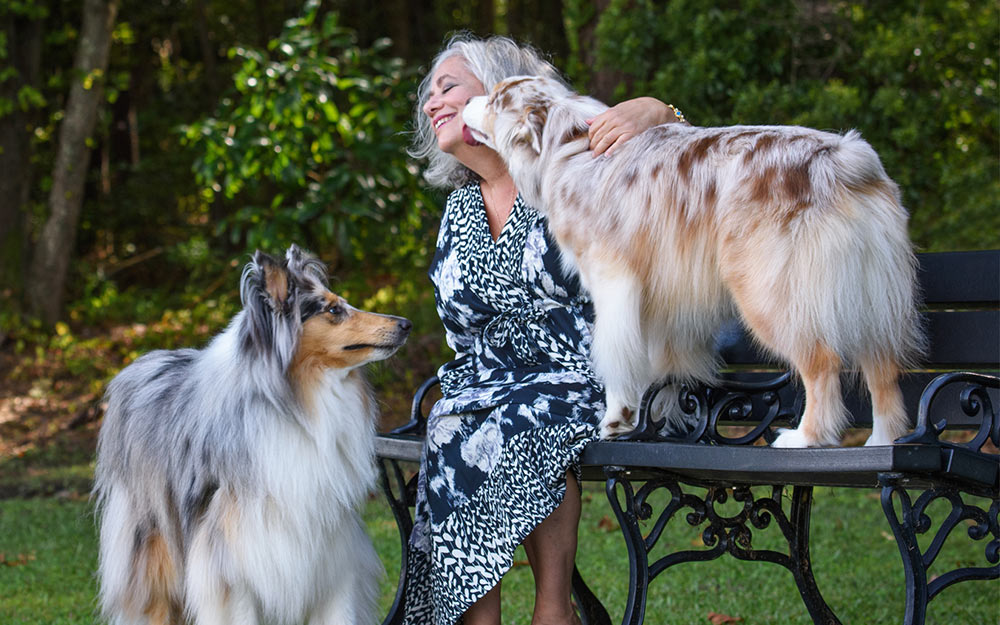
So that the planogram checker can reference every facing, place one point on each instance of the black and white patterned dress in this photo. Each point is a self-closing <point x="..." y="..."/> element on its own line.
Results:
<point x="520" y="402"/>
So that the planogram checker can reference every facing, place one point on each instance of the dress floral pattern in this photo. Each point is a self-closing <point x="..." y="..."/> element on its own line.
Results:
<point x="520" y="402"/>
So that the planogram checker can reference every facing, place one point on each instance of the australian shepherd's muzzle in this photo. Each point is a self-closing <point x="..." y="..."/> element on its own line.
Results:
<point x="798" y="231"/>
<point x="228" y="479"/>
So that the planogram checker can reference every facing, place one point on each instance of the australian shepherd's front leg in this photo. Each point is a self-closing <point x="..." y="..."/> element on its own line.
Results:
<point x="620" y="353"/>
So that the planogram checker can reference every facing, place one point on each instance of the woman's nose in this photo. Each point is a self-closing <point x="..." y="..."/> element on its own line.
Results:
<point x="431" y="105"/>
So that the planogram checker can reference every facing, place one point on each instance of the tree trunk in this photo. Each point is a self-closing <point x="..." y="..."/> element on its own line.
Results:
<point x="47" y="275"/>
<point x="24" y="46"/>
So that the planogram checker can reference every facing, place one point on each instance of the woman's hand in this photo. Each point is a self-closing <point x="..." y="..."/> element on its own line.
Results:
<point x="618" y="124"/>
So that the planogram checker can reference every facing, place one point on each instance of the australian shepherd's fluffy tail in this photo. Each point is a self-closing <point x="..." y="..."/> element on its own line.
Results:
<point x="228" y="479"/>
<point x="797" y="231"/>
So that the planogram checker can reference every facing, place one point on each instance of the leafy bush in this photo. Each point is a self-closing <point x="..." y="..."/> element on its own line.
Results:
<point x="310" y="150"/>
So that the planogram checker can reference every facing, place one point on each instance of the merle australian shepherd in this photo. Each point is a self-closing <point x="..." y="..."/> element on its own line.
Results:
<point x="799" y="232"/>
<point x="228" y="479"/>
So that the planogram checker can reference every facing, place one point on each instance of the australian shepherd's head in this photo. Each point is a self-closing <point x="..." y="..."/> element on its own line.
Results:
<point x="527" y="118"/>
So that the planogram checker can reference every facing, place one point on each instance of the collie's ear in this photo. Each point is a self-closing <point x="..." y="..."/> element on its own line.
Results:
<point x="307" y="270"/>
<point x="273" y="279"/>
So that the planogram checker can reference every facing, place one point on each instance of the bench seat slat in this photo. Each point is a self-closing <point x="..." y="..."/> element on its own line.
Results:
<point x="966" y="277"/>
<point x="827" y="466"/>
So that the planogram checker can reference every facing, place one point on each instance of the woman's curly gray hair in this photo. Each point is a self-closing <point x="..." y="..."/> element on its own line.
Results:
<point x="490" y="60"/>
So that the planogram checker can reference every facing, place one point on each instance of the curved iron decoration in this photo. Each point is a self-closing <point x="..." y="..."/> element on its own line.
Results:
<point x="973" y="400"/>
<point x="417" y="425"/>
<point x="913" y="520"/>
<point x="705" y="408"/>
<point x="725" y="533"/>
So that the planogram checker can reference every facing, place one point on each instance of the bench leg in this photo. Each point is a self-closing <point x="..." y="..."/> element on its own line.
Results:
<point x="592" y="612"/>
<point x="400" y="500"/>
<point x="912" y="520"/>
<point x="638" y="553"/>
<point x="724" y="534"/>
<point x="800" y="560"/>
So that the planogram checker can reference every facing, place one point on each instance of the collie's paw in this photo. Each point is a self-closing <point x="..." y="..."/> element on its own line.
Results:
<point x="793" y="439"/>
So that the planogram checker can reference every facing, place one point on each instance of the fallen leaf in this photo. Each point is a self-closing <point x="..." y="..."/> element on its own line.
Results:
<point x="607" y="524"/>
<point x="721" y="619"/>
<point x="20" y="559"/>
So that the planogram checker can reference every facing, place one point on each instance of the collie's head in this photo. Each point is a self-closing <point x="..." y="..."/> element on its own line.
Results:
<point x="526" y="119"/>
<point x="293" y="321"/>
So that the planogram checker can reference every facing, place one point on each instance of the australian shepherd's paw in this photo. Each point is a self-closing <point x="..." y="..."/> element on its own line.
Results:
<point x="794" y="439"/>
<point x="617" y="420"/>
<point x="881" y="438"/>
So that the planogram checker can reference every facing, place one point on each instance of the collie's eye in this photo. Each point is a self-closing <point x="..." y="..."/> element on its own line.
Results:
<point x="336" y="310"/>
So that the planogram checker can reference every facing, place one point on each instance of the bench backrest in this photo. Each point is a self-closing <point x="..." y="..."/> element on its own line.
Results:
<point x="961" y="294"/>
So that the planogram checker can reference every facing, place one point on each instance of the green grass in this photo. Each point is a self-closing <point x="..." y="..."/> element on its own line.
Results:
<point x="49" y="555"/>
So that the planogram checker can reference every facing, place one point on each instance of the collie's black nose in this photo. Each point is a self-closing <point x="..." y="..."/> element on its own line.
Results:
<point x="404" y="324"/>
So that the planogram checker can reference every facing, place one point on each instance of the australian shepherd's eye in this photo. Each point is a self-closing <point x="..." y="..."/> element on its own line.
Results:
<point x="337" y="310"/>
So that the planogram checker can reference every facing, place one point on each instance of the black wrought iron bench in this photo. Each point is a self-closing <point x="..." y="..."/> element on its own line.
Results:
<point x="724" y="457"/>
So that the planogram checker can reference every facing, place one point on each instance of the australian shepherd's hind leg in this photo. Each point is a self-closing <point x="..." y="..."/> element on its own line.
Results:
<point x="824" y="417"/>
<point x="889" y="420"/>
<point x="619" y="353"/>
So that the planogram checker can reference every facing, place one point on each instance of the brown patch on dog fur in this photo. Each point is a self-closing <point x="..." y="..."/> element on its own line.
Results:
<point x="694" y="154"/>
<point x="160" y="574"/>
<point x="762" y="185"/>
<point x="574" y="133"/>
<point x="630" y="177"/>
<point x="711" y="196"/>
<point x="798" y="186"/>
<point x="762" y="145"/>
<point x="873" y="184"/>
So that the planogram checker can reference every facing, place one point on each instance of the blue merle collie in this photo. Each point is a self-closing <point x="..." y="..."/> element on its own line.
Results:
<point x="228" y="478"/>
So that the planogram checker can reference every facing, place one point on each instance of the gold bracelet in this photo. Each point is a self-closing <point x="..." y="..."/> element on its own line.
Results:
<point x="677" y="113"/>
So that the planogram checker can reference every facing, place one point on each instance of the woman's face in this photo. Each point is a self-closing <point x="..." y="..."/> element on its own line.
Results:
<point x="451" y="87"/>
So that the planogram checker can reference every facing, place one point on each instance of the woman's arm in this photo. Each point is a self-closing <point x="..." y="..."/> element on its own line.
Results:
<point x="618" y="124"/>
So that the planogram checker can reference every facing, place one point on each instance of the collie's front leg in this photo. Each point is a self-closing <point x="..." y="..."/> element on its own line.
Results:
<point x="620" y="355"/>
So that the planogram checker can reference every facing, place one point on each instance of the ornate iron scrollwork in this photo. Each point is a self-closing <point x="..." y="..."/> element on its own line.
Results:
<point x="913" y="519"/>
<point x="974" y="400"/>
<point x="730" y="533"/>
<point x="699" y="411"/>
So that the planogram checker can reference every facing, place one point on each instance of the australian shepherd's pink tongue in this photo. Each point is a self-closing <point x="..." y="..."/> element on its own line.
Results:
<point x="467" y="136"/>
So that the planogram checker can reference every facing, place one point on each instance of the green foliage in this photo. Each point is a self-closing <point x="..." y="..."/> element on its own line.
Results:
<point x="917" y="78"/>
<point x="310" y="150"/>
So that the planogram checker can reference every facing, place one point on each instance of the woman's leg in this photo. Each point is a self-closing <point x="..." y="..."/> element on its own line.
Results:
<point x="486" y="611"/>
<point x="551" y="550"/>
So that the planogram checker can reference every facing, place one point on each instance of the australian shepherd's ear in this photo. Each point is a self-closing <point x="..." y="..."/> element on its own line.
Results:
<point x="529" y="131"/>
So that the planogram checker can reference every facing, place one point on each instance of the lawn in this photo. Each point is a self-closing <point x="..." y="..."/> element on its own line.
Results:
<point x="48" y="554"/>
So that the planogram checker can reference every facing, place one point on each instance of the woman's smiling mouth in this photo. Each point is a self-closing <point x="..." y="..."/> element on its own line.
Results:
<point x="443" y="120"/>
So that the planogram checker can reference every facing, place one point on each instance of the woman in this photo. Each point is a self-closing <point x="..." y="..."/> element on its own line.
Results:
<point x="520" y="401"/>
